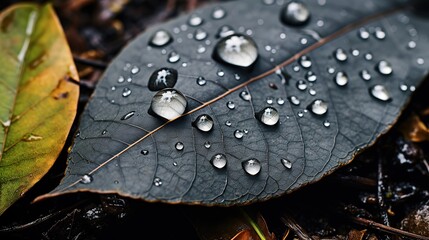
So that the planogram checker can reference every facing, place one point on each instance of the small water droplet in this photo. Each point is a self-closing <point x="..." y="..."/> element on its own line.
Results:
<point x="245" y="96"/>
<point x="310" y="76"/>
<point x="412" y="88"/>
<point x="86" y="179"/>
<point x="195" y="20"/>
<point x="157" y="182"/>
<point x="218" y="13"/>
<point x="6" y="123"/>
<point x="341" y="79"/>
<point x="160" y="38"/>
<point x="380" y="92"/>
<point x="228" y="123"/>
<point x="144" y="152"/>
<point x="294" y="100"/>
<point x="201" y="49"/>
<point x="121" y="79"/>
<point x="104" y="132"/>
<point x="340" y="55"/>
<point x="368" y="56"/>
<point x="379" y="33"/>
<point x="305" y="61"/>
<point x="251" y="166"/>
<point x="128" y="115"/>
<point x="420" y="61"/>
<point x="173" y="57"/>
<point x="224" y="31"/>
<point x="207" y="145"/>
<point x="201" y="81"/>
<point x="301" y="85"/>
<point x="365" y="75"/>
<point x="295" y="14"/>
<point x="168" y="103"/>
<point x="280" y="101"/>
<point x="270" y="100"/>
<point x="331" y="70"/>
<point x="203" y="123"/>
<point x="218" y="161"/>
<point x="286" y="163"/>
<point x="312" y="92"/>
<point x="220" y="73"/>
<point x="363" y="33"/>
<point x="268" y="116"/>
<point x="326" y="123"/>
<point x="236" y="49"/>
<point x="162" y="78"/>
<point x="200" y="34"/>
<point x="300" y="114"/>
<point x="384" y="67"/>
<point x="355" y="52"/>
<point x="135" y="70"/>
<point x="238" y="134"/>
<point x="318" y="107"/>
<point x="412" y="44"/>
<point x="403" y="87"/>
<point x="179" y="146"/>
<point x="230" y="105"/>
<point x="126" y="92"/>
<point x="237" y="77"/>
<point x="273" y="86"/>
<point x="303" y="41"/>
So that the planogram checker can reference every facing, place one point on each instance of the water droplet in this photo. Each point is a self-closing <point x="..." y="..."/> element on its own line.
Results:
<point x="245" y="96"/>
<point x="326" y="123"/>
<point x="86" y="179"/>
<point x="412" y="88"/>
<point x="380" y="92"/>
<point x="363" y="33"/>
<point x="280" y="101"/>
<point x="157" y="182"/>
<point x="104" y="132"/>
<point x="379" y="33"/>
<point x="179" y="146"/>
<point x="312" y="92"/>
<point x="121" y="79"/>
<point x="135" y="70"/>
<point x="126" y="92"/>
<point x="403" y="87"/>
<point x="144" y="152"/>
<point x="224" y="31"/>
<point x="228" y="123"/>
<point x="203" y="123"/>
<point x="365" y="75"/>
<point x="295" y="14"/>
<point x="173" y="57"/>
<point x="270" y="100"/>
<point x="230" y="105"/>
<point x="220" y="73"/>
<point x="301" y="85"/>
<point x="238" y="50"/>
<point x="294" y="100"/>
<point x="6" y="123"/>
<point x="341" y="79"/>
<point x="303" y="41"/>
<point x="218" y="161"/>
<point x="273" y="86"/>
<point x="368" y="56"/>
<point x="175" y="164"/>
<point x="300" y="114"/>
<point x="218" y="13"/>
<point x="420" y="61"/>
<point x="201" y="81"/>
<point x="200" y="34"/>
<point x="286" y="163"/>
<point x="207" y="145"/>
<point x="268" y="116"/>
<point x="128" y="115"/>
<point x="201" y="49"/>
<point x="296" y="68"/>
<point x="162" y="78"/>
<point x="310" y="76"/>
<point x="237" y="77"/>
<point x="160" y="38"/>
<point x="168" y="103"/>
<point x="195" y="20"/>
<point x="318" y="107"/>
<point x="412" y="44"/>
<point x="340" y="55"/>
<point x="384" y="67"/>
<point x="355" y="52"/>
<point x="238" y="134"/>
<point x="331" y="70"/>
<point x="251" y="166"/>
<point x="305" y="61"/>
<point x="283" y="75"/>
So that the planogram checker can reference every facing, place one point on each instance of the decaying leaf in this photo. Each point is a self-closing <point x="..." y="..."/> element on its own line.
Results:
<point x="414" y="129"/>
<point x="247" y="100"/>
<point x="38" y="96"/>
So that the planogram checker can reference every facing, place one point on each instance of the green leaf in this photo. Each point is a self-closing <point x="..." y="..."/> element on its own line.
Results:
<point x="38" y="96"/>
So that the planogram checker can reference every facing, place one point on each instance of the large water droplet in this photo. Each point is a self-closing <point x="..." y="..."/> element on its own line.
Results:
<point x="305" y="61"/>
<point x="295" y="14"/>
<point x="126" y="92"/>
<point x="162" y="78"/>
<point x="380" y="92"/>
<point x="173" y="57"/>
<point x="245" y="95"/>
<point x="268" y="116"/>
<point x="384" y="67"/>
<point x="318" y="107"/>
<point x="157" y="182"/>
<point x="179" y="146"/>
<point x="86" y="179"/>
<point x="286" y="163"/>
<point x="160" y="38"/>
<point x="218" y="161"/>
<point x="251" y="166"/>
<point x="365" y="75"/>
<point x="341" y="79"/>
<point x="238" y="50"/>
<point x="128" y="115"/>
<point x="340" y="55"/>
<point x="238" y="134"/>
<point x="224" y="31"/>
<point x="168" y="103"/>
<point x="203" y="123"/>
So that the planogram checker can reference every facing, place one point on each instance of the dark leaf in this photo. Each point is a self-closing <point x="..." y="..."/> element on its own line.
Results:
<point x="317" y="92"/>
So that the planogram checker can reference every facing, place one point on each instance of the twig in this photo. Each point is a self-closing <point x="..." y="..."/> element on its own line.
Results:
<point x="292" y="224"/>
<point x="90" y="62"/>
<point x="381" y="189"/>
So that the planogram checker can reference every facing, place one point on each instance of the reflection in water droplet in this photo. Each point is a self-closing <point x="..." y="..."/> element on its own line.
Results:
<point x="230" y="105"/>
<point x="173" y="57"/>
<point x="301" y="85"/>
<point x="340" y="55"/>
<point x="326" y="123"/>
<point x="245" y="96"/>
<point x="318" y="107"/>
<point x="200" y="34"/>
<point x="341" y="79"/>
<point x="203" y="123"/>
<point x="238" y="134"/>
<point x="162" y="78"/>
<point x="128" y="115"/>
<point x="144" y="152"/>
<point x="294" y="100"/>
<point x="238" y="50"/>
<point x="157" y="182"/>
<point x="305" y="61"/>
<point x="295" y="14"/>
<point x="384" y="67"/>
<point x="268" y="116"/>
<point x="365" y="75"/>
<point x="195" y="20"/>
<point x="179" y="146"/>
<point x="380" y="92"/>
<point x="126" y="92"/>
<point x="224" y="31"/>
<point x="286" y="163"/>
<point x="168" y="103"/>
<point x="207" y="145"/>
<point x="160" y="38"/>
<point x="218" y="161"/>
<point x="363" y="33"/>
<point x="379" y="33"/>
<point x="218" y="13"/>
<point x="251" y="166"/>
<point x="86" y="179"/>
